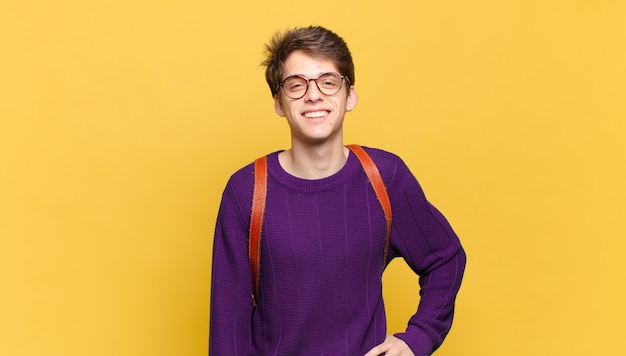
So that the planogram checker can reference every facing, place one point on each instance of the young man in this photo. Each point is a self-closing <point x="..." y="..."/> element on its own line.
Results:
<point x="323" y="238"/>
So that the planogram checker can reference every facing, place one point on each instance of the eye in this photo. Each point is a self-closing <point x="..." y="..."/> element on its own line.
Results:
<point x="294" y="84"/>
<point x="329" y="81"/>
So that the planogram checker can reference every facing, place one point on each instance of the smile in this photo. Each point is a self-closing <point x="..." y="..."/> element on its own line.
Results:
<point x="315" y="114"/>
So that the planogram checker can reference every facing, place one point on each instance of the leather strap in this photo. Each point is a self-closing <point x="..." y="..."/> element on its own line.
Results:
<point x="258" y="208"/>
<point x="256" y="221"/>
<point x="373" y="174"/>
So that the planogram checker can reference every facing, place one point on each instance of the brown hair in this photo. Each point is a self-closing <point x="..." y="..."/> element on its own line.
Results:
<point x="313" y="40"/>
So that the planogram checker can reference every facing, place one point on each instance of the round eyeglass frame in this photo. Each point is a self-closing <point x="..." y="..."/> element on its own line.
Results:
<point x="308" y="82"/>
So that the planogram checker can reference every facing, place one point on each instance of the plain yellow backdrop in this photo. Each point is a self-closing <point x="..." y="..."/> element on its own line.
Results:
<point x="120" y="122"/>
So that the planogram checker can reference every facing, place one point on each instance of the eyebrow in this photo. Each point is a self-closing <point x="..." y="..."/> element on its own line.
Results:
<point x="304" y="76"/>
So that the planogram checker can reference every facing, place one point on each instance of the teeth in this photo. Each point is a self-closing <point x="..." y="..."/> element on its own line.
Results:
<point x="315" y="114"/>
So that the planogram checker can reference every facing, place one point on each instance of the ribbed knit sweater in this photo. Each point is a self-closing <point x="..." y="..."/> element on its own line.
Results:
<point x="320" y="289"/>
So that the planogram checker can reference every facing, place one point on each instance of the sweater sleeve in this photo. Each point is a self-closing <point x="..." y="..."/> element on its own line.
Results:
<point x="230" y="331"/>
<point x="426" y="241"/>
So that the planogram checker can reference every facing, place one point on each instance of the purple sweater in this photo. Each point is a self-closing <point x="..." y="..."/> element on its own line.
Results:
<point x="320" y="289"/>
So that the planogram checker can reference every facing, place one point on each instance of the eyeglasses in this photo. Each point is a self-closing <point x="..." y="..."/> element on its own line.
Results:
<point x="296" y="86"/>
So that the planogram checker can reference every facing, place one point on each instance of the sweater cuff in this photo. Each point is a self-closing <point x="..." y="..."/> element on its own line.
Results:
<point x="418" y="341"/>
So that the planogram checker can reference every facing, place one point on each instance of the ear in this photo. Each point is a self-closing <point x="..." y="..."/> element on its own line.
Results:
<point x="278" y="105"/>
<point x="352" y="99"/>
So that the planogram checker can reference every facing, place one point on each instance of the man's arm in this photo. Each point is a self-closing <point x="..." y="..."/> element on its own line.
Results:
<point x="230" y="331"/>
<point x="424" y="238"/>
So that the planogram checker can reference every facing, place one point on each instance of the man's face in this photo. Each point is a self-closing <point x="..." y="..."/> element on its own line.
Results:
<point x="315" y="118"/>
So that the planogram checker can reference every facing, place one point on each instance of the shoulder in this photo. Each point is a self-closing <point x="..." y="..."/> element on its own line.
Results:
<point x="243" y="176"/>
<point x="381" y="155"/>
<point x="387" y="162"/>
<point x="241" y="183"/>
<point x="394" y="171"/>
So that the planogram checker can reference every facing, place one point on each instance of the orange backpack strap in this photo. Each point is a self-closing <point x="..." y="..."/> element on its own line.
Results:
<point x="256" y="221"/>
<point x="258" y="208"/>
<point x="373" y="174"/>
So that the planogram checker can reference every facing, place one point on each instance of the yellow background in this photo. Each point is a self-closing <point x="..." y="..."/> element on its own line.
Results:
<point x="122" y="120"/>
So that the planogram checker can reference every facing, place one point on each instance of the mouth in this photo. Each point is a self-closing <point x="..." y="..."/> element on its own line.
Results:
<point x="315" y="114"/>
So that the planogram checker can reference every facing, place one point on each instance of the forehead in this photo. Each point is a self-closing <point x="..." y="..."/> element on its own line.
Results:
<point x="301" y="63"/>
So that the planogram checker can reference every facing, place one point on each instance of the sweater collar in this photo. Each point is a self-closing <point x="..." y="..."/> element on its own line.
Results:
<point x="276" y="171"/>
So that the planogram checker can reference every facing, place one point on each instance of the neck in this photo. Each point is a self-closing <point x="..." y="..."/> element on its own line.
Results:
<point x="314" y="162"/>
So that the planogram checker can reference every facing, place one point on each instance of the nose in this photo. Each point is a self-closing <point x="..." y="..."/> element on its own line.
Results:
<point x="313" y="92"/>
